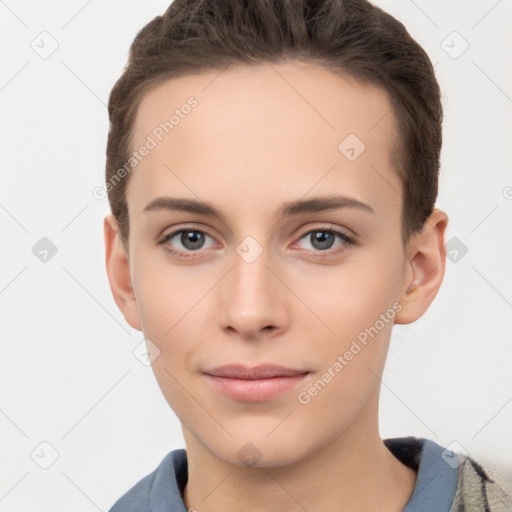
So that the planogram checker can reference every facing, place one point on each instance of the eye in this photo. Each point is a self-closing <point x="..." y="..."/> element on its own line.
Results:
<point x="191" y="240"/>
<point x="184" y="242"/>
<point x="323" y="240"/>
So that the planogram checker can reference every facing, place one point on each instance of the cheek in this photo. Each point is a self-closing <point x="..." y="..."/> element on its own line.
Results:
<point x="352" y="362"/>
<point x="169" y="312"/>
<point x="358" y="304"/>
<point x="350" y="297"/>
<point x="174" y="306"/>
<point x="165" y="294"/>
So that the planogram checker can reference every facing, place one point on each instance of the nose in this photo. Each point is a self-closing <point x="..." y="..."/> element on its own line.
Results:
<point x="253" y="301"/>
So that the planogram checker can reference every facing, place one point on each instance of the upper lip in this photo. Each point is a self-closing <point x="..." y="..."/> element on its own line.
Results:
<point x="264" y="371"/>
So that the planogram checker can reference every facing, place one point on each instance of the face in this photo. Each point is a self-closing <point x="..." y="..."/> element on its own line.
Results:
<point x="301" y="266"/>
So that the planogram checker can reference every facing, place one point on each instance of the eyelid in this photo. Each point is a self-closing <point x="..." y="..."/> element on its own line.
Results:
<point x="188" y="227"/>
<point x="326" y="226"/>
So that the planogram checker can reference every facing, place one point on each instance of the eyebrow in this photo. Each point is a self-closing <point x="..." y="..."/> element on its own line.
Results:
<point x="314" y="204"/>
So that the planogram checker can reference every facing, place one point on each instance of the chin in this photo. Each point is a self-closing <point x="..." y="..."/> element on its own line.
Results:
<point x="255" y="449"/>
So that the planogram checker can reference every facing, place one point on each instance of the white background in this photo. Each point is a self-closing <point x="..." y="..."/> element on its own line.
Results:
<point x="68" y="374"/>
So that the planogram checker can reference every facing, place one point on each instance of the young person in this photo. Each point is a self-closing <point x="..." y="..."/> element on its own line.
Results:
<point x="272" y="170"/>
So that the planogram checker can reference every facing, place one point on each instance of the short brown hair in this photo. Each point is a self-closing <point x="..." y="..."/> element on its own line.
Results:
<point x="350" y="37"/>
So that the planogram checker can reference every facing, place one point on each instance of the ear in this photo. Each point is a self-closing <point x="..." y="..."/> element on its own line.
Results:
<point x="425" y="266"/>
<point x="118" y="270"/>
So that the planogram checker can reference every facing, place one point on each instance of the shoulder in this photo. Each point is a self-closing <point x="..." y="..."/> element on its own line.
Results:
<point x="137" y="498"/>
<point x="160" y="487"/>
<point x="447" y="479"/>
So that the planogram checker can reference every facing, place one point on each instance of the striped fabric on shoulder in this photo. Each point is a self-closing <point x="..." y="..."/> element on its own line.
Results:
<point x="477" y="491"/>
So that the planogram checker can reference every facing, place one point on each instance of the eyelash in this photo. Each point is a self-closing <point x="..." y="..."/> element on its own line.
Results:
<point x="348" y="242"/>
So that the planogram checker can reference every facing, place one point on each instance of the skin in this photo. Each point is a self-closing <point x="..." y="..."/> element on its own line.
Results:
<point x="260" y="137"/>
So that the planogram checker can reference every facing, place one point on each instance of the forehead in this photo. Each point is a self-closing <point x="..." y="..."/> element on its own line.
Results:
<point x="279" y="126"/>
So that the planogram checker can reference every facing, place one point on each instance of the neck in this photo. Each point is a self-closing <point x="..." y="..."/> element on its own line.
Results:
<point x="355" y="471"/>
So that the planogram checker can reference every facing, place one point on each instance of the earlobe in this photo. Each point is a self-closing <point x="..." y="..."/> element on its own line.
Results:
<point x="118" y="271"/>
<point x="426" y="260"/>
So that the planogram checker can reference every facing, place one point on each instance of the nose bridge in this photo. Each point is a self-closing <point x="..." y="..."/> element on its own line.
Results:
<point x="251" y="275"/>
<point x="250" y="298"/>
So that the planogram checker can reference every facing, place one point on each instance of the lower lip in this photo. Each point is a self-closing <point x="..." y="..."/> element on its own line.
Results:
<point x="255" y="390"/>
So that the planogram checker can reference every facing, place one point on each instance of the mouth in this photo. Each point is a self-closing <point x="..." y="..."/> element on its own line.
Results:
<point x="254" y="384"/>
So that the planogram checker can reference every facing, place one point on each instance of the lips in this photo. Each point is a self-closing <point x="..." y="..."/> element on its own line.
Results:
<point x="236" y="371"/>
<point x="254" y="384"/>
